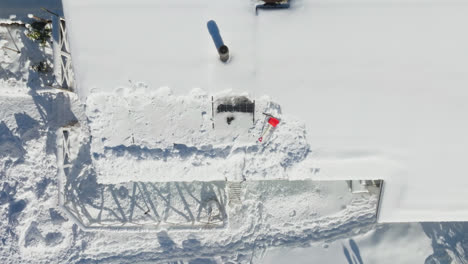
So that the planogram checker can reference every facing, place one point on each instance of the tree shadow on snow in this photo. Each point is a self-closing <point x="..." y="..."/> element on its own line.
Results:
<point x="27" y="127"/>
<point x="11" y="148"/>
<point x="353" y="257"/>
<point x="22" y="8"/>
<point x="449" y="242"/>
<point x="55" y="112"/>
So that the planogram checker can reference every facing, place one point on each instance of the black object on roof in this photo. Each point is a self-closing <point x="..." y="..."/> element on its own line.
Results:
<point x="235" y="104"/>
<point x="272" y="4"/>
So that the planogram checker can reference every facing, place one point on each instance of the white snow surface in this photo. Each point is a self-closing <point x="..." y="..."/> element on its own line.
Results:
<point x="379" y="86"/>
<point x="38" y="226"/>
<point x="144" y="135"/>
<point x="402" y="243"/>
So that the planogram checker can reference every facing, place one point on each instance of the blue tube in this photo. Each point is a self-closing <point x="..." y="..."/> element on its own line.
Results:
<point x="214" y="32"/>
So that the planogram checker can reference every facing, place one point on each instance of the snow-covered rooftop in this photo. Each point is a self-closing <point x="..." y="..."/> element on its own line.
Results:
<point x="381" y="86"/>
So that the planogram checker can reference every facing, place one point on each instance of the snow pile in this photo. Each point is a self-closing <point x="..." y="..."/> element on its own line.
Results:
<point x="153" y="135"/>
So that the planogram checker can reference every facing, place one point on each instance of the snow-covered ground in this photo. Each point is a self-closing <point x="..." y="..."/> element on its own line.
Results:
<point x="55" y="210"/>
<point x="65" y="215"/>
<point x="153" y="135"/>
<point x="378" y="89"/>
<point x="376" y="246"/>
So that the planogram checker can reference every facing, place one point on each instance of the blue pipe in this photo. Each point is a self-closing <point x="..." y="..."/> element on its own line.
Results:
<point x="214" y="32"/>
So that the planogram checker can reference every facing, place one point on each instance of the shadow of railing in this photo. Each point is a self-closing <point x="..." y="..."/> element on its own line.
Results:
<point x="449" y="241"/>
<point x="137" y="204"/>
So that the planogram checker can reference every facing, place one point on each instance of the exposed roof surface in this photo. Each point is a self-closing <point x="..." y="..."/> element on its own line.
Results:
<point x="381" y="87"/>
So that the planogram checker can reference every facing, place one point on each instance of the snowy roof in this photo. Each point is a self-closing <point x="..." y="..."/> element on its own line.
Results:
<point x="161" y="43"/>
<point x="380" y="87"/>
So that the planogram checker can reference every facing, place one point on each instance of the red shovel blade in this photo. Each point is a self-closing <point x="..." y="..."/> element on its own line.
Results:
<point x="273" y="121"/>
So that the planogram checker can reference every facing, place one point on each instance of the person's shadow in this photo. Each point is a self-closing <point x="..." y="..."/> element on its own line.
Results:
<point x="353" y="257"/>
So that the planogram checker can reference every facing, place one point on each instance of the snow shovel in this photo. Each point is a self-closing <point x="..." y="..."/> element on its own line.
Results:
<point x="273" y="122"/>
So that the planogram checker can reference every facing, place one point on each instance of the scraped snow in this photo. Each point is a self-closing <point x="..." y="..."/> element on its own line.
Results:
<point x="156" y="136"/>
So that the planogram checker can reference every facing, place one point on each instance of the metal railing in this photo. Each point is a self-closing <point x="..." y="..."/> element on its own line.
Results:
<point x="63" y="72"/>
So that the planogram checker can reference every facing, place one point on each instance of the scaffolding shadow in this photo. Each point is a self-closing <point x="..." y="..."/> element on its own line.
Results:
<point x="136" y="205"/>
